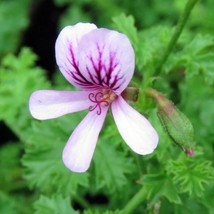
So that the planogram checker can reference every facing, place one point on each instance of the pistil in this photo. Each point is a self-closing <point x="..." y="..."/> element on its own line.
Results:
<point x="100" y="98"/>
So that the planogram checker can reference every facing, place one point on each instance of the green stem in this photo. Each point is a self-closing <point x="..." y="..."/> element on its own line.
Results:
<point x="134" y="202"/>
<point x="178" y="30"/>
<point x="140" y="195"/>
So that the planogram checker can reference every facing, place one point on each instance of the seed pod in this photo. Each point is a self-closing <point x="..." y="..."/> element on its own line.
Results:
<point x="177" y="125"/>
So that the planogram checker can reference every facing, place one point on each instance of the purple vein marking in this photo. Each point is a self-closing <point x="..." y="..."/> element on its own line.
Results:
<point x="77" y="75"/>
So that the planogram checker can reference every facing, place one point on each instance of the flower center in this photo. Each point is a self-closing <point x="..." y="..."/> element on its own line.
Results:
<point x="100" y="98"/>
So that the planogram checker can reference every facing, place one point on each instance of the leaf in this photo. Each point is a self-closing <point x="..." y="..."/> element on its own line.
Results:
<point x="10" y="167"/>
<point x="16" y="13"/>
<point x="152" y="42"/>
<point x="18" y="79"/>
<point x="45" y="169"/>
<point x="125" y="24"/>
<point x="105" y="212"/>
<point x="160" y="184"/>
<point x="191" y="174"/>
<point x="7" y="204"/>
<point x="111" y="166"/>
<point x="14" y="203"/>
<point x="197" y="102"/>
<point x="53" y="205"/>
<point x="191" y="206"/>
<point x="196" y="58"/>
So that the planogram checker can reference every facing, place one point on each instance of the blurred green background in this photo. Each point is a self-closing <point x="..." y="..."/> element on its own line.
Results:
<point x="26" y="146"/>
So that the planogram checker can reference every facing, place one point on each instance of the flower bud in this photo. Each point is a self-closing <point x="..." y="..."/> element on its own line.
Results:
<point x="174" y="121"/>
<point x="130" y="94"/>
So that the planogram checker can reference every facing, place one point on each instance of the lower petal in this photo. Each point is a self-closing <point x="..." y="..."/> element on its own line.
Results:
<point x="80" y="147"/>
<point x="47" y="104"/>
<point x="135" y="129"/>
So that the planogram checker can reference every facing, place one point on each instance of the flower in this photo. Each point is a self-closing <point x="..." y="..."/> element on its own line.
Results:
<point x="99" y="62"/>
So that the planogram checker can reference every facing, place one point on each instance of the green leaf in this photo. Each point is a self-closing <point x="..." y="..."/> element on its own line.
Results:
<point x="43" y="158"/>
<point x="191" y="206"/>
<point x="125" y="24"/>
<point x="103" y="212"/>
<point x="18" y="79"/>
<point x="197" y="102"/>
<point x="10" y="167"/>
<point x="157" y="185"/>
<point x="152" y="42"/>
<point x="197" y="58"/>
<point x="7" y="204"/>
<point x="13" y="20"/>
<point x="13" y="203"/>
<point x="191" y="174"/>
<point x="53" y="205"/>
<point x="111" y="165"/>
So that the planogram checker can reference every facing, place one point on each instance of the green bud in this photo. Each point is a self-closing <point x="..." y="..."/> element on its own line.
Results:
<point x="130" y="94"/>
<point x="174" y="121"/>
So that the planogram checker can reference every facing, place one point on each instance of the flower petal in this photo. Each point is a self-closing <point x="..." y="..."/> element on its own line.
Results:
<point x="67" y="52"/>
<point x="47" y="104"/>
<point x="135" y="129"/>
<point x="80" y="147"/>
<point x="107" y="59"/>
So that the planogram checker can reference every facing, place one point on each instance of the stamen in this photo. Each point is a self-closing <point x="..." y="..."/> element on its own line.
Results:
<point x="101" y="98"/>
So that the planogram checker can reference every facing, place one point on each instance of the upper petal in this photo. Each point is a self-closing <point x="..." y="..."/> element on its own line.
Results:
<point x="135" y="129"/>
<point x="47" y="104"/>
<point x="79" y="149"/>
<point x="66" y="49"/>
<point x="107" y="59"/>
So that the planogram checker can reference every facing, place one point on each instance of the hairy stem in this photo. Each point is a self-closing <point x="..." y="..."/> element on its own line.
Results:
<point x="178" y="30"/>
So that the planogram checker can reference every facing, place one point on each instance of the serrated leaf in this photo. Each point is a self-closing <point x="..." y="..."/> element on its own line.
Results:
<point x="43" y="158"/>
<point x="18" y="79"/>
<point x="197" y="58"/>
<point x="7" y="204"/>
<point x="152" y="42"/>
<point x="14" y="204"/>
<point x="111" y="166"/>
<point x="106" y="212"/>
<point x="10" y="167"/>
<point x="53" y="205"/>
<point x="125" y="24"/>
<point x="157" y="185"/>
<point x="191" y="174"/>
<point x="191" y="206"/>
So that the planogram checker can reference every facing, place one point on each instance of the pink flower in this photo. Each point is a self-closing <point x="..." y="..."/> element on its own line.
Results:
<point x="99" y="62"/>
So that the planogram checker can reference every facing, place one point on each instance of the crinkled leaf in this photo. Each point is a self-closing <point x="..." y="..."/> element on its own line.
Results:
<point x="191" y="174"/>
<point x="111" y="165"/>
<point x="43" y="158"/>
<point x="18" y="79"/>
<point x="152" y="42"/>
<point x="191" y="206"/>
<point x="125" y="24"/>
<point x="10" y="166"/>
<point x="105" y="212"/>
<point x="157" y="185"/>
<point x="53" y="205"/>
<point x="196" y="58"/>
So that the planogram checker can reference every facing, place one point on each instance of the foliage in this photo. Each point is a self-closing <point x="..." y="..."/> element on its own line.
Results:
<point x="13" y="19"/>
<point x="54" y="205"/>
<point x="33" y="177"/>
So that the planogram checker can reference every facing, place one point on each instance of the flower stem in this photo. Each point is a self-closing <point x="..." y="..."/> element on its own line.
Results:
<point x="178" y="30"/>
<point x="134" y="202"/>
